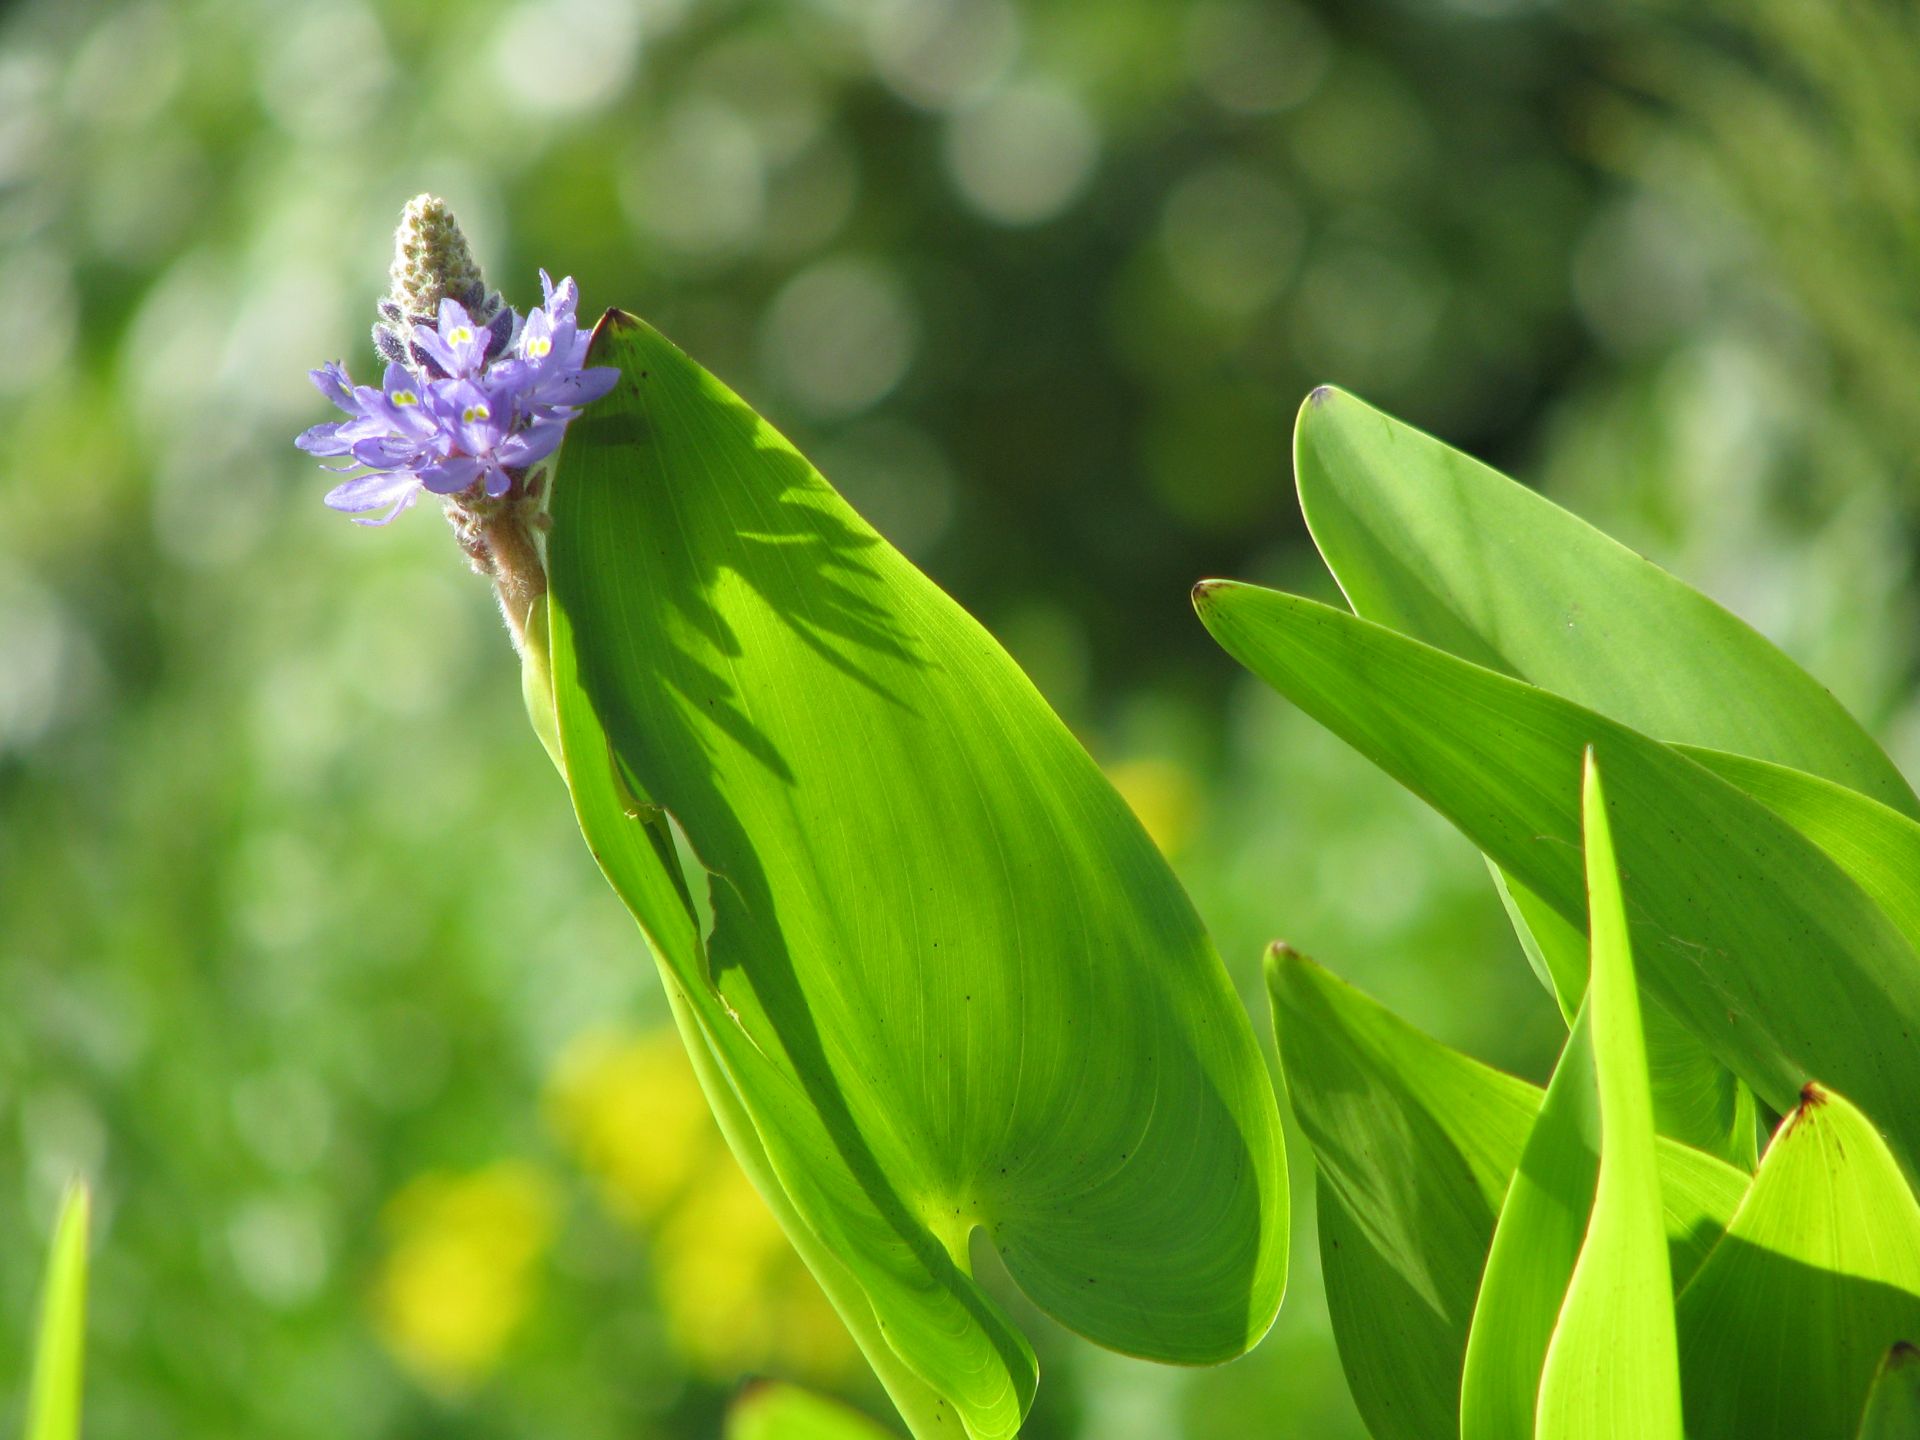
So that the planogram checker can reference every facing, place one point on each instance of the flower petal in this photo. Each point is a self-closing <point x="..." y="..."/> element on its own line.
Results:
<point x="451" y="475"/>
<point x="368" y="492"/>
<point x="323" y="439"/>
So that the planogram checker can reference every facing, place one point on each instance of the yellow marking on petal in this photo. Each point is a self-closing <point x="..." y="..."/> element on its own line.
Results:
<point x="539" y="348"/>
<point x="461" y="335"/>
<point x="405" y="397"/>
<point x="476" y="412"/>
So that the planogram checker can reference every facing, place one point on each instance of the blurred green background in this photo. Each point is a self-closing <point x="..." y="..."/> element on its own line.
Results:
<point x="300" y="955"/>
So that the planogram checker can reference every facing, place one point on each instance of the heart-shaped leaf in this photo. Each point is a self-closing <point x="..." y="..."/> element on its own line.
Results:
<point x="949" y="984"/>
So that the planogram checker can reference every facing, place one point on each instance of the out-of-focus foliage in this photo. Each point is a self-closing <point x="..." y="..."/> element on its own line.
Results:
<point x="293" y="921"/>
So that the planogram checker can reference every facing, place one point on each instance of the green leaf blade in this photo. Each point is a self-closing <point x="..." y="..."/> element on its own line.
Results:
<point x="1541" y="1228"/>
<point x="1415" y="1144"/>
<point x="1729" y="899"/>
<point x="950" y="984"/>
<point x="1818" y="1274"/>
<point x="53" y="1402"/>
<point x="1612" y="1367"/>
<point x="1893" y="1404"/>
<point x="1430" y="542"/>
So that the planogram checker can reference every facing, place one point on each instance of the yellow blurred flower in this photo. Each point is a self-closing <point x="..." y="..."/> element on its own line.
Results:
<point x="1164" y="795"/>
<point x="735" y="1297"/>
<point x="631" y="1111"/>
<point x="461" y="1268"/>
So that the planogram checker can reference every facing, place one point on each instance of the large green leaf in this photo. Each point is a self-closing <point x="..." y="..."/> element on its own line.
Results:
<point x="1893" y="1404"/>
<point x="949" y="984"/>
<point x="53" y="1404"/>
<point x="1878" y="846"/>
<point x="1732" y="905"/>
<point x="769" y="1411"/>
<point x="1612" y="1367"/>
<point x="1817" y="1275"/>
<point x="1430" y="542"/>
<point x="1415" y="1145"/>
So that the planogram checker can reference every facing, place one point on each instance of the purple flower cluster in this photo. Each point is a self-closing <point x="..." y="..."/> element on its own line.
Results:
<point x="469" y="406"/>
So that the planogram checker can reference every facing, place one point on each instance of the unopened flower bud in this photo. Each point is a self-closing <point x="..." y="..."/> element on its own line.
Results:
<point x="433" y="262"/>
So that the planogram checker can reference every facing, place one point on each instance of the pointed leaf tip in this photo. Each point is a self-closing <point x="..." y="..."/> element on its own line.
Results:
<point x="53" y="1405"/>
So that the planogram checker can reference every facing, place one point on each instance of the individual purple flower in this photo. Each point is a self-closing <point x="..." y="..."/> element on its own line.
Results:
<point x="486" y="441"/>
<point x="465" y="413"/>
<point x="457" y="349"/>
<point x="544" y="373"/>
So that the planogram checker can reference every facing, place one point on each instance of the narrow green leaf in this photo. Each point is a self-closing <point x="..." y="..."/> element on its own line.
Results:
<point x="950" y="986"/>
<point x="1893" y="1404"/>
<point x="1731" y="902"/>
<point x="1432" y="543"/>
<point x="1555" y="950"/>
<point x="1542" y="1225"/>
<point x="1612" y="1368"/>
<point x="1818" y="1274"/>
<point x="771" y="1411"/>
<point x="1416" y="1145"/>
<point x="53" y="1404"/>
<point x="1695" y="1097"/>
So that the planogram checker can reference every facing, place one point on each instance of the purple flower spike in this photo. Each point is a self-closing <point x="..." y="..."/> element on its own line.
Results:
<point x="467" y="411"/>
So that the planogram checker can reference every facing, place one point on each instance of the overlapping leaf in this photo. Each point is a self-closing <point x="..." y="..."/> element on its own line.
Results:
<point x="1542" y="1226"/>
<point x="1818" y="1274"/>
<point x="1611" y="1367"/>
<point x="1875" y="844"/>
<point x="1415" y="1145"/>
<point x="949" y="983"/>
<point x="1733" y="908"/>
<point x="1434" y="544"/>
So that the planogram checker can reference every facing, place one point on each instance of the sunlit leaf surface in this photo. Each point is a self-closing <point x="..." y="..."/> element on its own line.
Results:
<point x="1415" y="1145"/>
<point x="1783" y="1327"/>
<point x="949" y="984"/>
<point x="1732" y="906"/>
<point x="1434" y="544"/>
<point x="53" y="1404"/>
<point x="1542" y="1225"/>
<point x="1611" y="1366"/>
